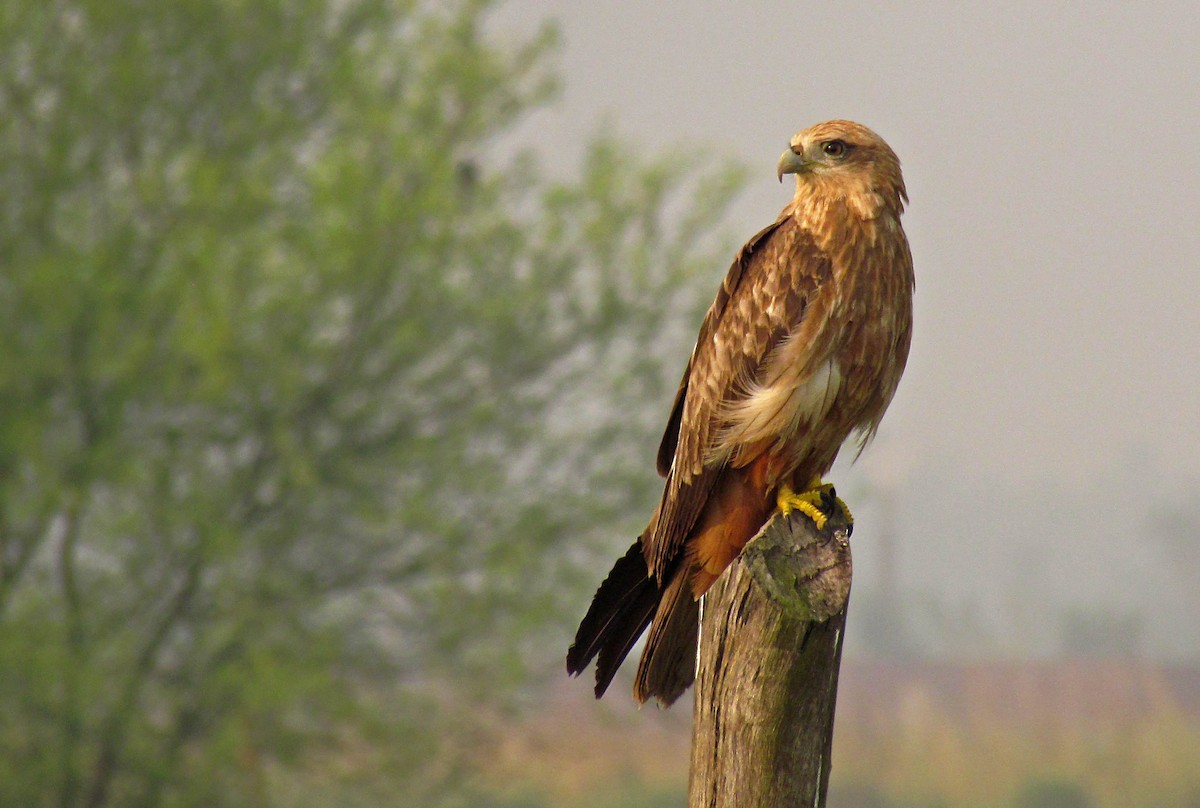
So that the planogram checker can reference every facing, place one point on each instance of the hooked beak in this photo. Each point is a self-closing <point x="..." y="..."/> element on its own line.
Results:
<point x="790" y="162"/>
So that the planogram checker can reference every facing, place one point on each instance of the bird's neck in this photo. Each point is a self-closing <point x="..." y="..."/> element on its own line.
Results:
<point x="841" y="215"/>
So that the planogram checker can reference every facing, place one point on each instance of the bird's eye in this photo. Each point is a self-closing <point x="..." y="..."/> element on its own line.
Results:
<point x="834" y="148"/>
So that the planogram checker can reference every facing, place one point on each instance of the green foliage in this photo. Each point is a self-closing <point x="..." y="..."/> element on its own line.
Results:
<point x="305" y="391"/>
<point x="857" y="795"/>
<point x="1052" y="794"/>
<point x="643" y="796"/>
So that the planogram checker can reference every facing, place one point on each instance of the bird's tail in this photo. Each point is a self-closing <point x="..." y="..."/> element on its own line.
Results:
<point x="628" y="600"/>
<point x="668" y="665"/>
<point x="621" y="609"/>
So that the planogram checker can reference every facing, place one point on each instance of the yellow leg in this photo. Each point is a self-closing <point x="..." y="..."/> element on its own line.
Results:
<point x="809" y="502"/>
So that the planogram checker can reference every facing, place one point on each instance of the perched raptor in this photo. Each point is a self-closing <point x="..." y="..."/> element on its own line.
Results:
<point x="803" y="346"/>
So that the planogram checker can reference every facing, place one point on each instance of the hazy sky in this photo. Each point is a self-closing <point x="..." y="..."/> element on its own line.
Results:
<point x="1052" y="156"/>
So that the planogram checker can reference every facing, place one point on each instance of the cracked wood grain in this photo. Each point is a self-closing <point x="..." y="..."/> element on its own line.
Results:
<point x="767" y="668"/>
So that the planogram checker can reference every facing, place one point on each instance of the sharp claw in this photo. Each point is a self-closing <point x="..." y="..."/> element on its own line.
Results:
<point x="819" y="503"/>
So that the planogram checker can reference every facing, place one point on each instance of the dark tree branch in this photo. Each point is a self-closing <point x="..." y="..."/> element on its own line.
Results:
<point x="75" y="643"/>
<point x="19" y="545"/>
<point x="766" y="682"/>
<point x="113" y="730"/>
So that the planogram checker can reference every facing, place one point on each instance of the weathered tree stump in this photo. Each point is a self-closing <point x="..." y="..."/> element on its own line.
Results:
<point x="766" y="681"/>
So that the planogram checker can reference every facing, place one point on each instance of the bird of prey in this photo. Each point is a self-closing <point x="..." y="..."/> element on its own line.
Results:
<point x="803" y="346"/>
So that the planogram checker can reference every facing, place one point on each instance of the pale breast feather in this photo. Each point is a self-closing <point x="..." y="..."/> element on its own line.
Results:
<point x="776" y="411"/>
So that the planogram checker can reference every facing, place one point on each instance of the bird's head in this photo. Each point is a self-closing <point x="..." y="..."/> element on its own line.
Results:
<point x="845" y="159"/>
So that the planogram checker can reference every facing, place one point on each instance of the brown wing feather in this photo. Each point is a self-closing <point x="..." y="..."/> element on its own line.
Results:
<point x="762" y="300"/>
<point x="670" y="438"/>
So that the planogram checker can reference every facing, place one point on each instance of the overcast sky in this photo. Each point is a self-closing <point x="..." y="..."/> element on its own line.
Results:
<point x="1052" y="156"/>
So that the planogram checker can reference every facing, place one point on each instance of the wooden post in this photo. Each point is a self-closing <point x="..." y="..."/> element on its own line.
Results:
<point x="766" y="680"/>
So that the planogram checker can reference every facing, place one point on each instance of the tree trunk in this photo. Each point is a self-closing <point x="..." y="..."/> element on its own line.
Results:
<point x="766" y="681"/>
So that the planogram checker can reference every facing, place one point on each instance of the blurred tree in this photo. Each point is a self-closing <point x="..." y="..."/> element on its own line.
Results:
<point x="1175" y="525"/>
<point x="1042" y="793"/>
<point x="302" y="382"/>
<point x="1101" y="632"/>
<point x="858" y="795"/>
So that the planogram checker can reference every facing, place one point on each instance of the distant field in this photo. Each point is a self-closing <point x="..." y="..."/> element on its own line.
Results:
<point x="1096" y="733"/>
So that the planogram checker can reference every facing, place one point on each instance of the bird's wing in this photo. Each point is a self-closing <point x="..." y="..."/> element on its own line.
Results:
<point x="762" y="301"/>
<point x="670" y="438"/>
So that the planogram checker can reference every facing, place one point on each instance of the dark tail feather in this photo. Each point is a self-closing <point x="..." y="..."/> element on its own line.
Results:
<point x="668" y="665"/>
<point x="620" y="612"/>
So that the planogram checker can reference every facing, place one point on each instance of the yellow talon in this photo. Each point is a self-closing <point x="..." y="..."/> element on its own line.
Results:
<point x="809" y="503"/>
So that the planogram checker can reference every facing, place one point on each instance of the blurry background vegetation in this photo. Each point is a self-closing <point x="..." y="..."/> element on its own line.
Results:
<point x="323" y="400"/>
<point x="310" y="392"/>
